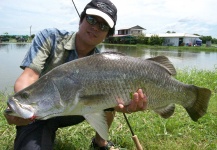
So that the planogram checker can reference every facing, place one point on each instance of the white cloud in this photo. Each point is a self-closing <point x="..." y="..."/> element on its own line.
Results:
<point x="195" y="16"/>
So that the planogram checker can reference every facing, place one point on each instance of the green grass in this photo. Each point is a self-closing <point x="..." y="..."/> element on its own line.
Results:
<point x="178" y="132"/>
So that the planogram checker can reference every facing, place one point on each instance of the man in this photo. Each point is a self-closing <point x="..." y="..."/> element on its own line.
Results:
<point x="52" y="47"/>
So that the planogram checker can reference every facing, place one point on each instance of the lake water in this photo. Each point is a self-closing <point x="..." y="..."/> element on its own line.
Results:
<point x="11" y="56"/>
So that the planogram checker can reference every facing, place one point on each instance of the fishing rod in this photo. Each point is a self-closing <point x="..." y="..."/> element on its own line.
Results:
<point x="76" y="9"/>
<point x="134" y="137"/>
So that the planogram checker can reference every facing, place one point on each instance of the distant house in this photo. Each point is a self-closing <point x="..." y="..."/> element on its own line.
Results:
<point x="135" y="31"/>
<point x="126" y="35"/>
<point x="179" y="39"/>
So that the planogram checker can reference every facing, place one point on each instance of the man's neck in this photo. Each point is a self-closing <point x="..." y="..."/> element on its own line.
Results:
<point x="82" y="48"/>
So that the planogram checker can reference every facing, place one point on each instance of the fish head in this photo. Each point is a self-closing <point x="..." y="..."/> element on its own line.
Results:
<point x="40" y="100"/>
<point x="18" y="109"/>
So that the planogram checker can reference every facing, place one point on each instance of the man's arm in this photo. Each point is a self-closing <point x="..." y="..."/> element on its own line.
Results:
<point x="28" y="77"/>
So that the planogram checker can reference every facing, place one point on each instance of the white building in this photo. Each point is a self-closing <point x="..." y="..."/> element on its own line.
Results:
<point x="178" y="39"/>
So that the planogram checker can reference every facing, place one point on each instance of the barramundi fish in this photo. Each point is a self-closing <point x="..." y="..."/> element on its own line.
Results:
<point x="89" y="85"/>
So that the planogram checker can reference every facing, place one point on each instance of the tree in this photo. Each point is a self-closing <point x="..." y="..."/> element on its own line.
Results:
<point x="214" y="41"/>
<point x="32" y="36"/>
<point x="206" y="38"/>
<point x="170" y="32"/>
<point x="155" y="40"/>
<point x="141" y="39"/>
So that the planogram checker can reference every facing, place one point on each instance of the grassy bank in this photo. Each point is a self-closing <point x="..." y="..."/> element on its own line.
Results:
<point x="178" y="132"/>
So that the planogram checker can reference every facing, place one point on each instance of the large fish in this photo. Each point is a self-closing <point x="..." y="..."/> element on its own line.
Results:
<point x="89" y="85"/>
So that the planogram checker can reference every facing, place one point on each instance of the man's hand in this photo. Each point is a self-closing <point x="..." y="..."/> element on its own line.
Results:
<point x="16" y="120"/>
<point x="138" y="103"/>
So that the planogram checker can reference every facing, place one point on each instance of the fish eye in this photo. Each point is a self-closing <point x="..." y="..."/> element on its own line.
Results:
<point x="24" y="95"/>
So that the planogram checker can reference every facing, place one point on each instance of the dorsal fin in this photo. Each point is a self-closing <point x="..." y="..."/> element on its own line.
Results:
<point x="114" y="52"/>
<point x="164" y="61"/>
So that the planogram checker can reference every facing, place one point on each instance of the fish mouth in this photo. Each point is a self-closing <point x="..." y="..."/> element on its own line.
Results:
<point x="21" y="110"/>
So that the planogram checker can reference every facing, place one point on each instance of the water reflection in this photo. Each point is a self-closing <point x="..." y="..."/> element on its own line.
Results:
<point x="11" y="56"/>
<point x="128" y="50"/>
<point x="181" y="59"/>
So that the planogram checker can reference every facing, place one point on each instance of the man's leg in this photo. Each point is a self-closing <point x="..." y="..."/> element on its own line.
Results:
<point x="36" y="136"/>
<point x="40" y="135"/>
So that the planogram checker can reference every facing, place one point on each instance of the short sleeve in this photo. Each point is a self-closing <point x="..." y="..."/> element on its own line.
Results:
<point x="39" y="51"/>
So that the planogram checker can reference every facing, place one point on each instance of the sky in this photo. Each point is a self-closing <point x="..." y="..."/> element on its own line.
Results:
<point x="17" y="17"/>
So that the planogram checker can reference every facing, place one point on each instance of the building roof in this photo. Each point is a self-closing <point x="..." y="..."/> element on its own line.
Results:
<point x="135" y="27"/>
<point x="125" y="35"/>
<point x="173" y="35"/>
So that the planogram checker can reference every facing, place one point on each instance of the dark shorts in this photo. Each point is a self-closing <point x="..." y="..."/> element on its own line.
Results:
<point x="40" y="135"/>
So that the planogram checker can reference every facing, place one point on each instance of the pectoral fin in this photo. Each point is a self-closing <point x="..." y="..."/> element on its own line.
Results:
<point x="98" y="122"/>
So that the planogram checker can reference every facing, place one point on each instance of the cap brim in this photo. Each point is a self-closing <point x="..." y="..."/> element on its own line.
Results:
<point x="101" y="14"/>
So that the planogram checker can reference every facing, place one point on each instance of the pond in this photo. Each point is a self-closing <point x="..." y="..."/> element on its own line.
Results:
<point x="11" y="56"/>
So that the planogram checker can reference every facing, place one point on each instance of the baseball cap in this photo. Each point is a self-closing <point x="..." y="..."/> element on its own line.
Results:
<point x="104" y="9"/>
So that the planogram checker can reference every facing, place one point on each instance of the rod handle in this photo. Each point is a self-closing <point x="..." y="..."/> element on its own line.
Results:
<point x="137" y="143"/>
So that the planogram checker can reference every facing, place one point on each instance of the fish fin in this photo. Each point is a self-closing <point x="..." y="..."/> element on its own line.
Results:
<point x="164" y="61"/>
<point x="98" y="122"/>
<point x="199" y="108"/>
<point x="113" y="52"/>
<point x="167" y="111"/>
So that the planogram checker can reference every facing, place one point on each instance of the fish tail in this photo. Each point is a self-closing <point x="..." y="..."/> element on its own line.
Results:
<point x="199" y="108"/>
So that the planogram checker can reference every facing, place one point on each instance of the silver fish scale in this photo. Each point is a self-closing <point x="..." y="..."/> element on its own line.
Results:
<point x="129" y="76"/>
<point x="108" y="78"/>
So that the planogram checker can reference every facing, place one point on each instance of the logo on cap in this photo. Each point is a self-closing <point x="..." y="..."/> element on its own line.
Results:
<point x="105" y="7"/>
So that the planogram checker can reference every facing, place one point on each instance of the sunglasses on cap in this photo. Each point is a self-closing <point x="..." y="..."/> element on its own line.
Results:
<point x="91" y="20"/>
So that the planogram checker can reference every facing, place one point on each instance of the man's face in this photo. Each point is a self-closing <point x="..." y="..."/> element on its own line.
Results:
<point x="92" y="34"/>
